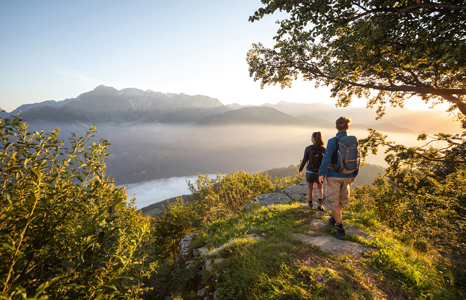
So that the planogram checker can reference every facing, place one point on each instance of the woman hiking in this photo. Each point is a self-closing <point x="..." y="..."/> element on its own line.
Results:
<point x="313" y="157"/>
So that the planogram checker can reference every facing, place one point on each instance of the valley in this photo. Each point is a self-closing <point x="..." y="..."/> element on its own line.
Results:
<point x="155" y="135"/>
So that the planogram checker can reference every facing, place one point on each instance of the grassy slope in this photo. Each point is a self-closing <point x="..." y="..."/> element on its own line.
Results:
<point x="279" y="266"/>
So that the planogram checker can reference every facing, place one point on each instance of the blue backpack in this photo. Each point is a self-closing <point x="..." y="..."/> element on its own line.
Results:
<point x="347" y="154"/>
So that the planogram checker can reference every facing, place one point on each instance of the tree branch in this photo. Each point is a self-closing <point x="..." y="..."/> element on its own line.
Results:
<point x="403" y="10"/>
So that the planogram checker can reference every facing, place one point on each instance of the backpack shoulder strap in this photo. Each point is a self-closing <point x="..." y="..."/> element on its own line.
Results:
<point x="335" y="152"/>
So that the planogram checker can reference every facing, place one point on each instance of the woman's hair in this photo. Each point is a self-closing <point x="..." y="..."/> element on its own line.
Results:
<point x="319" y="140"/>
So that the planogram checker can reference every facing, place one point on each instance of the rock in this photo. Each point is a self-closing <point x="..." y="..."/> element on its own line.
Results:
<point x="217" y="250"/>
<point x="319" y="223"/>
<point x="320" y="213"/>
<point x="333" y="245"/>
<point x="321" y="279"/>
<point x="273" y="198"/>
<point x="184" y="245"/>
<point x="189" y="263"/>
<point x="354" y="231"/>
<point x="215" y="294"/>
<point x="201" y="292"/>
<point x="200" y="251"/>
<point x="296" y="192"/>
<point x="211" y="262"/>
<point x="253" y="236"/>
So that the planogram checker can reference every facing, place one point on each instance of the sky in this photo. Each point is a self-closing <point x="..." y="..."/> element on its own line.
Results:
<point x="54" y="50"/>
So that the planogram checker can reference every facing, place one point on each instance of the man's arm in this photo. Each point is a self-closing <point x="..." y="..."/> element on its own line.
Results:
<point x="327" y="159"/>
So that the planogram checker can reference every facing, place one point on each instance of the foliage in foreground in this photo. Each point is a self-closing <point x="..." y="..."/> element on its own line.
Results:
<point x="66" y="230"/>
<point x="423" y="195"/>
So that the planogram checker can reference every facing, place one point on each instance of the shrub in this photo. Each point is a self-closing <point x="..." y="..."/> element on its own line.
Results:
<point x="66" y="231"/>
<point x="423" y="194"/>
<point x="212" y="199"/>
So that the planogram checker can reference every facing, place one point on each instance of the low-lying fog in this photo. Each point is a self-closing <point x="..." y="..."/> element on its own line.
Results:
<point x="154" y="191"/>
<point x="155" y="160"/>
<point x="156" y="166"/>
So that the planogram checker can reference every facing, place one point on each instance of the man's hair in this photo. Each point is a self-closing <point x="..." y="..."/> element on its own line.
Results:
<point x="343" y="123"/>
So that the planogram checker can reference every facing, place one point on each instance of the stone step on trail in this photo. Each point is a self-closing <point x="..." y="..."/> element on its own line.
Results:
<point x="333" y="245"/>
<point x="350" y="229"/>
<point x="299" y="191"/>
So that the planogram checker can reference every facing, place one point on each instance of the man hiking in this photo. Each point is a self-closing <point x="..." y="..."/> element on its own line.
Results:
<point x="340" y="166"/>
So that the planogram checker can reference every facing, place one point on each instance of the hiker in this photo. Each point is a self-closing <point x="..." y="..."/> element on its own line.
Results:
<point x="313" y="155"/>
<point x="337" y="173"/>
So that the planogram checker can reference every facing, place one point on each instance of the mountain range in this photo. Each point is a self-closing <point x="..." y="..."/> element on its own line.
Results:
<point x="130" y="106"/>
<point x="107" y="105"/>
<point x="155" y="135"/>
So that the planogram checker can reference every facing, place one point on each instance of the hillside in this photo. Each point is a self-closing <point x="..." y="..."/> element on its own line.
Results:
<point x="251" y="116"/>
<point x="277" y="248"/>
<point x="382" y="127"/>
<point x="428" y="121"/>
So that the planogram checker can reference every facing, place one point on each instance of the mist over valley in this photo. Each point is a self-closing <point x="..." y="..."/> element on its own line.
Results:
<point x="155" y="136"/>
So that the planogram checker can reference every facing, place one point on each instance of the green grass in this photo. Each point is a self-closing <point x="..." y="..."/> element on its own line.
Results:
<point x="279" y="266"/>
<point x="152" y="212"/>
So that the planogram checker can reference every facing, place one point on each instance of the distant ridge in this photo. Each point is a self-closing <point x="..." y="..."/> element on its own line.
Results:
<point x="251" y="115"/>
<point x="107" y="105"/>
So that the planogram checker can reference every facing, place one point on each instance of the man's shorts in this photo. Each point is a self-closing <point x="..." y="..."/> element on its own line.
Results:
<point x="337" y="190"/>
<point x="312" y="177"/>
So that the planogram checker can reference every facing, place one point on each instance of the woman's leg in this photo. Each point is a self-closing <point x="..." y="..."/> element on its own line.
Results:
<point x="320" y="195"/>
<point x="320" y="190"/>
<point x="310" y="192"/>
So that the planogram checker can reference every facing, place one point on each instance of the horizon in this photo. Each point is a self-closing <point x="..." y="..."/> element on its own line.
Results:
<point x="58" y="50"/>
<point x="360" y="104"/>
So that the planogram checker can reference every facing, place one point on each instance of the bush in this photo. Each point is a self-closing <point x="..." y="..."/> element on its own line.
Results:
<point x="423" y="194"/>
<point x="66" y="231"/>
<point x="212" y="199"/>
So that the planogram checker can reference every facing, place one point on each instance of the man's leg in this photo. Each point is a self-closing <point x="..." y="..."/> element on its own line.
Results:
<point x="333" y="196"/>
<point x="344" y="196"/>
<point x="336" y="213"/>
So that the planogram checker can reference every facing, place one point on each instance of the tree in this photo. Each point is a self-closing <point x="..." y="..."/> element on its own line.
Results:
<point x="386" y="51"/>
<point x="66" y="230"/>
<point x="422" y="194"/>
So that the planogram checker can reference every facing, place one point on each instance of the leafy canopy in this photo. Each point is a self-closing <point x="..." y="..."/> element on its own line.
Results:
<point x="386" y="51"/>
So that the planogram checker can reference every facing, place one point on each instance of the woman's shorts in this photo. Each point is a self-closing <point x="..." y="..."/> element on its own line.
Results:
<point x="312" y="177"/>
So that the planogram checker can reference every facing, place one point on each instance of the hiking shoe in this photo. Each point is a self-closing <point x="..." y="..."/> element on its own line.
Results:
<point x="309" y="204"/>
<point x="340" y="234"/>
<point x="321" y="205"/>
<point x="331" y="221"/>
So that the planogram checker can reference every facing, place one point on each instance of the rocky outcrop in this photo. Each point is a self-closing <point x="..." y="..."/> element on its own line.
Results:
<point x="296" y="192"/>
